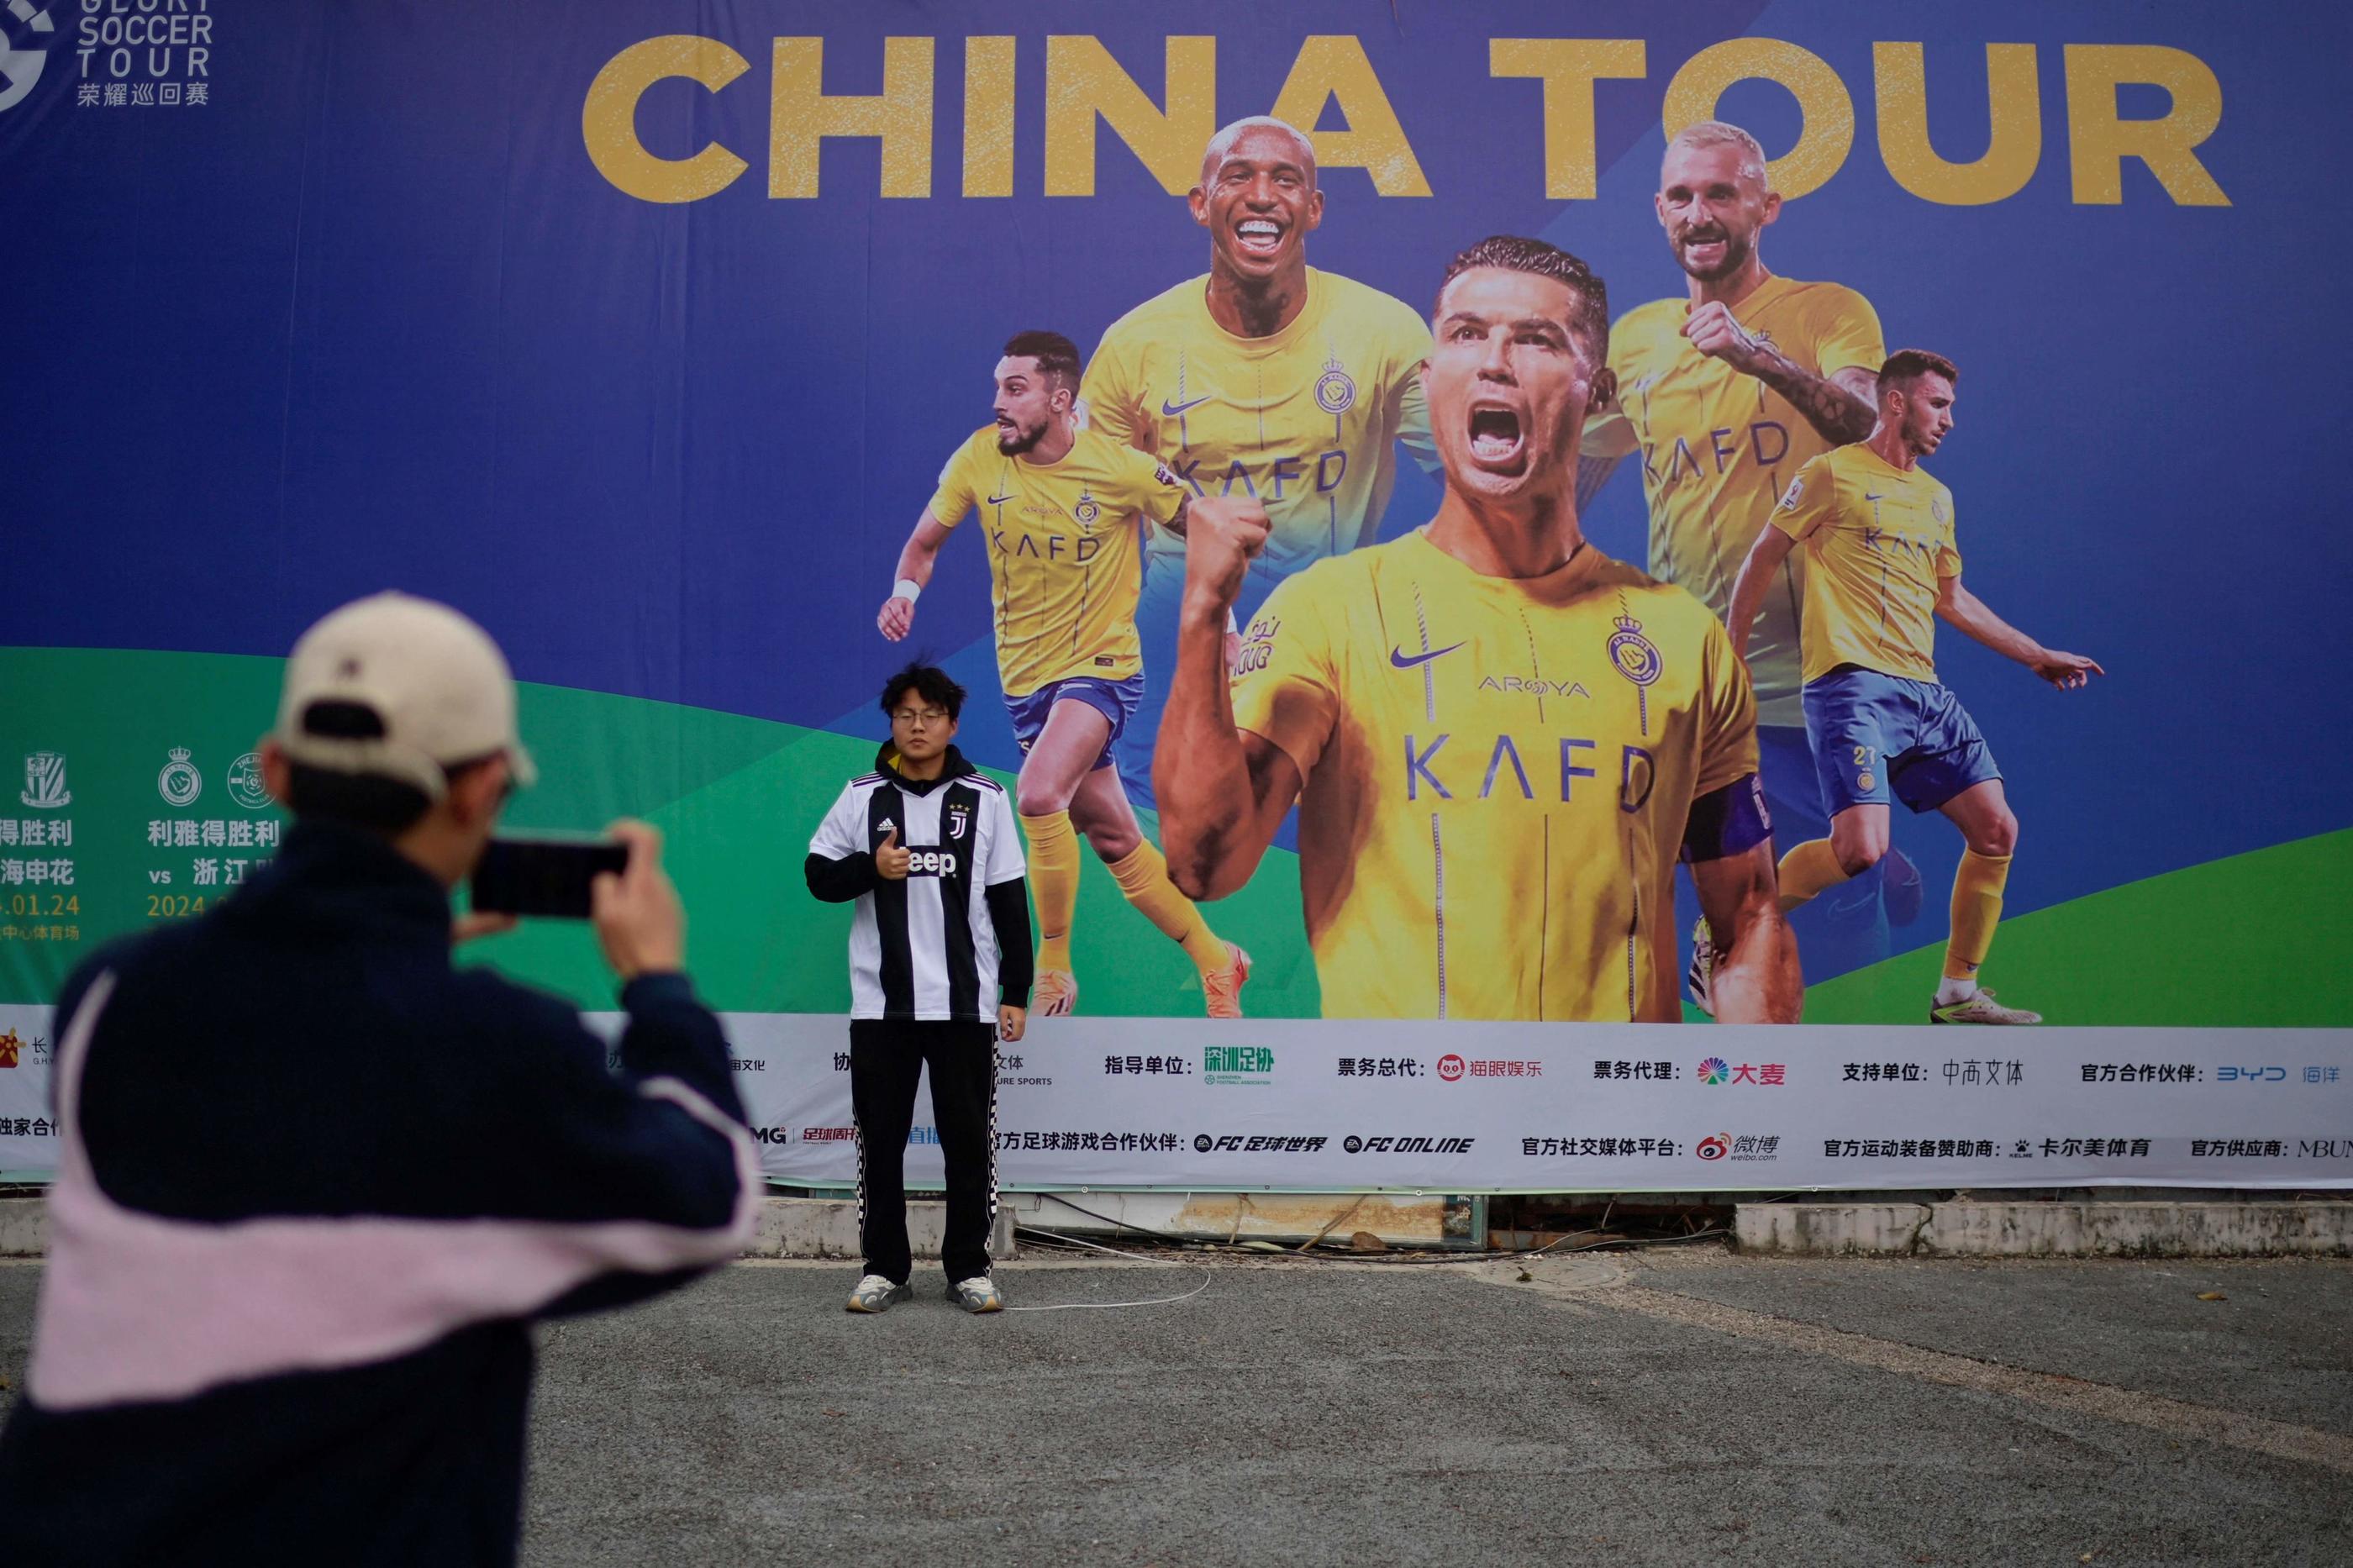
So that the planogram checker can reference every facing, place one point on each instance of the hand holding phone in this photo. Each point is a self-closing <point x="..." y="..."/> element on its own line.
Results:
<point x="543" y="876"/>
<point x="640" y="923"/>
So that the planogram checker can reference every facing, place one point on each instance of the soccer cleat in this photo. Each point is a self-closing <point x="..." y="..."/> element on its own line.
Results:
<point x="1700" y="978"/>
<point x="875" y="1294"/>
<point x="977" y="1294"/>
<point x="1981" y="1008"/>
<point x="1223" y="987"/>
<point x="1899" y="887"/>
<point x="1055" y="994"/>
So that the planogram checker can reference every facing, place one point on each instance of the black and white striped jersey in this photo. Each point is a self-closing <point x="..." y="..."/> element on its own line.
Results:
<point x="929" y="946"/>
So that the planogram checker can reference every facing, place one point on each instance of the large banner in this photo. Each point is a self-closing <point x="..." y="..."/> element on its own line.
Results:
<point x="667" y="339"/>
<point x="1320" y="1105"/>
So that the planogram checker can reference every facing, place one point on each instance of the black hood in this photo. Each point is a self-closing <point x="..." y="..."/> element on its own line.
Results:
<point x="953" y="766"/>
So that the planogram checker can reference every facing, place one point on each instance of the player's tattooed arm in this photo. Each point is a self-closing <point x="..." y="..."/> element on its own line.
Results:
<point x="1757" y="979"/>
<point x="1964" y="610"/>
<point x="1841" y="407"/>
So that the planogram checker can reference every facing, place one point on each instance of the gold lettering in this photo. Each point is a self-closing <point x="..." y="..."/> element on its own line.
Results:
<point x="2098" y="141"/>
<point x="1334" y="66"/>
<point x="1082" y="81"/>
<point x="801" y="116"/>
<point x="989" y="116"/>
<point x="1568" y="69"/>
<point x="608" y="119"/>
<point x="1827" y="128"/>
<point x="2013" y="143"/>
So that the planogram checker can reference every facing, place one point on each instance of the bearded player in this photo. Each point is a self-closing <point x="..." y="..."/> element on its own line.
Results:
<point x="1722" y="392"/>
<point x="1263" y="379"/>
<point x="1882" y="564"/>
<point x="1500" y="739"/>
<point x="1064" y="509"/>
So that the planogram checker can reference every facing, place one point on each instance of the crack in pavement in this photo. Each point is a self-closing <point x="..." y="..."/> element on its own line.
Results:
<point x="1597" y="1283"/>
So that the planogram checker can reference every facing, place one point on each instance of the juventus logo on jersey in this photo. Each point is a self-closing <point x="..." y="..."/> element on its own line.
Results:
<point x="959" y="818"/>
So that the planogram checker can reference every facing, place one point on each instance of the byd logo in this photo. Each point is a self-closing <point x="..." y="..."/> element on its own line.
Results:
<point x="1450" y="1068"/>
<point x="2251" y="1074"/>
<point x="21" y="67"/>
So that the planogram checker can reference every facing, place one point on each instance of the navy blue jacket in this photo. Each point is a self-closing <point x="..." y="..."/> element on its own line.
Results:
<point x="314" y="1184"/>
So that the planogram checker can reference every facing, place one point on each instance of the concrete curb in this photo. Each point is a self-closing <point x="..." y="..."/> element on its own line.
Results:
<point x="789" y="1228"/>
<point x="1979" y="1228"/>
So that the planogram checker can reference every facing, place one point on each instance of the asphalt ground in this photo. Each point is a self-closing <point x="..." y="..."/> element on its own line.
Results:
<point x="1663" y="1407"/>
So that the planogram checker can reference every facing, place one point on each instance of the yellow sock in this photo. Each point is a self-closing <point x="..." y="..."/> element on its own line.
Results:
<point x="1811" y="868"/>
<point x="1977" y="909"/>
<point x="1053" y="883"/>
<point x="1143" y="878"/>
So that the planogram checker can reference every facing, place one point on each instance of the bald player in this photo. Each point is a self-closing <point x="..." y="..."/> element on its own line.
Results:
<point x="1724" y="391"/>
<point x="1501" y="741"/>
<point x="1263" y="378"/>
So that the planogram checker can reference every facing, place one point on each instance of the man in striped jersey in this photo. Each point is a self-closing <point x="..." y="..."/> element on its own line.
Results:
<point x="939" y="970"/>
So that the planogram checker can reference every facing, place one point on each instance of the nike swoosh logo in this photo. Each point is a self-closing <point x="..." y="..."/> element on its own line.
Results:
<point x="1174" y="409"/>
<point x="1868" y="496"/>
<point x="1405" y="660"/>
<point x="998" y="500"/>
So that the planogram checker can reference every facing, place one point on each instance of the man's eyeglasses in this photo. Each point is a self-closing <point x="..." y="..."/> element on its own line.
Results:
<point x="920" y="717"/>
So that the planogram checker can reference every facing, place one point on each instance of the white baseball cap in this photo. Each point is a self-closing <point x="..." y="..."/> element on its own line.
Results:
<point x="399" y="688"/>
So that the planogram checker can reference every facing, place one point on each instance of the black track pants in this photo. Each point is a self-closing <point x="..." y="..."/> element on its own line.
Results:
<point x="887" y="1057"/>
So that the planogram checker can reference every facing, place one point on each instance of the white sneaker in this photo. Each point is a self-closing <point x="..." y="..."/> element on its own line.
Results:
<point x="1980" y="1008"/>
<point x="977" y="1294"/>
<point x="875" y="1294"/>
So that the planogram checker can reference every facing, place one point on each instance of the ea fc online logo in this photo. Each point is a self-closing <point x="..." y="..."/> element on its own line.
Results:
<point x="21" y="67"/>
<point x="1450" y="1066"/>
<point x="1714" y="1146"/>
<point x="1712" y="1070"/>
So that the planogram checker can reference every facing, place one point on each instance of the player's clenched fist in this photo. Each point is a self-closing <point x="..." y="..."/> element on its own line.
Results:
<point x="1716" y="332"/>
<point x="897" y="617"/>
<point x="1223" y="535"/>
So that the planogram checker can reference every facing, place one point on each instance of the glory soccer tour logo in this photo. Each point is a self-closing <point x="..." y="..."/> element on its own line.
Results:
<point x="45" y="781"/>
<point x="24" y="51"/>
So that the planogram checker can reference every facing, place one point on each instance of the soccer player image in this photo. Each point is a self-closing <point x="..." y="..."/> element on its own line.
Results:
<point x="1722" y="392"/>
<point x="1881" y="565"/>
<point x="1262" y="378"/>
<point x="1500" y="739"/>
<point x="1063" y="512"/>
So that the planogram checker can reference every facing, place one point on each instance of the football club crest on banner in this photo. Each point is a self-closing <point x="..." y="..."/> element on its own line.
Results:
<point x="1635" y="656"/>
<point x="1334" y="391"/>
<point x="245" y="785"/>
<point x="45" y="781"/>
<point x="179" y="784"/>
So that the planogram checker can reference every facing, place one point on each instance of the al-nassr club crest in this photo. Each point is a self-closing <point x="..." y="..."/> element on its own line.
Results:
<point x="1086" y="512"/>
<point x="1634" y="655"/>
<point x="1334" y="391"/>
<point x="179" y="784"/>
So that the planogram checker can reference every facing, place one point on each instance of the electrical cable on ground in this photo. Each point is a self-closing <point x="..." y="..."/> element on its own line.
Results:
<point x="1100" y="1306"/>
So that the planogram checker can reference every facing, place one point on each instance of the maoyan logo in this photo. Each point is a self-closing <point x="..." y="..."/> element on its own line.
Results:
<point x="20" y="67"/>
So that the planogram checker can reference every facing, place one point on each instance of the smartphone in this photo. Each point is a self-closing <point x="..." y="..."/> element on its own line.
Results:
<point x="543" y="876"/>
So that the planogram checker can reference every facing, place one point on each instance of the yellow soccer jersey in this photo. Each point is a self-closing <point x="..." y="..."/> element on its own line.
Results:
<point x="1307" y="420"/>
<point x="1717" y="447"/>
<point x="1498" y="777"/>
<point x="1876" y="540"/>
<point x="1064" y="564"/>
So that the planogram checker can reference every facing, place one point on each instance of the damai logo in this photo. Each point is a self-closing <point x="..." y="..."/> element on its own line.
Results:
<point x="1634" y="655"/>
<point x="20" y="67"/>
<point x="1334" y="391"/>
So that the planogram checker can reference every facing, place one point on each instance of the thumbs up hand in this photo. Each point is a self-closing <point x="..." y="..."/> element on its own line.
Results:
<point x="891" y="858"/>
